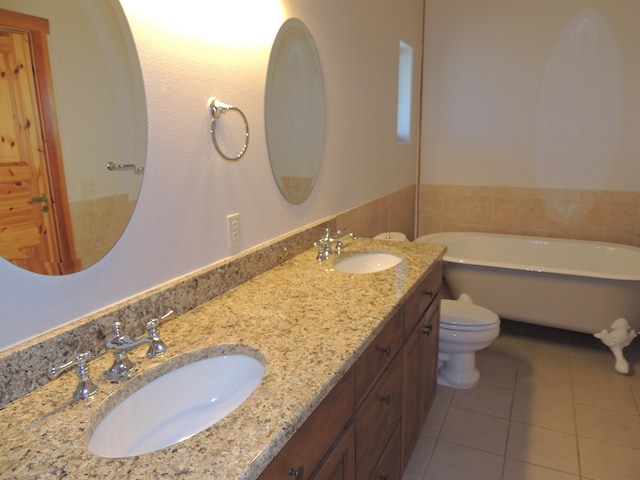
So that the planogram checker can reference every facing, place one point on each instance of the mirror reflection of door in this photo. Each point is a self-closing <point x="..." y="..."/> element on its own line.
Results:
<point x="35" y="228"/>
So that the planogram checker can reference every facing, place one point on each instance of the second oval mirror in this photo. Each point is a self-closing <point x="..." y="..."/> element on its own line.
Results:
<point x="294" y="111"/>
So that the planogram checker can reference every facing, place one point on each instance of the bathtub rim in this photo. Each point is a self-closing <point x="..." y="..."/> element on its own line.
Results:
<point x="431" y="238"/>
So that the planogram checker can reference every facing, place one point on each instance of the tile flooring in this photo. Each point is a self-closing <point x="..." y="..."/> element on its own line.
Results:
<point x="549" y="406"/>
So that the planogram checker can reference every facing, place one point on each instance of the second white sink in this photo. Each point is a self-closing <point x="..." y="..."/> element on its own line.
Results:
<point x="367" y="262"/>
<point x="177" y="405"/>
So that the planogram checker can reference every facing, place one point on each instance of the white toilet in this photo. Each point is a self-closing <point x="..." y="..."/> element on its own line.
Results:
<point x="465" y="328"/>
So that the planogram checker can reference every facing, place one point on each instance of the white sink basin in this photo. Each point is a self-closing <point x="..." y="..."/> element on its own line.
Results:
<point x="176" y="406"/>
<point x="368" y="262"/>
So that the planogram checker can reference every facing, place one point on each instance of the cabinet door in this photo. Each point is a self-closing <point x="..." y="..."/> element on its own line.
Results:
<point x="419" y="376"/>
<point x="421" y="298"/>
<point x="377" y="357"/>
<point x="316" y="436"/>
<point x="340" y="463"/>
<point x="430" y="335"/>
<point x="388" y="467"/>
<point x="377" y="418"/>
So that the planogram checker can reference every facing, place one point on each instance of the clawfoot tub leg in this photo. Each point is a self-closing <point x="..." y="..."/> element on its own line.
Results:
<point x="622" y="366"/>
<point x="620" y="336"/>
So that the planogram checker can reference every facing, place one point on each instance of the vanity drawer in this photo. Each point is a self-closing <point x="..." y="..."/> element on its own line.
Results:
<point x="317" y="434"/>
<point x="378" y="417"/>
<point x="389" y="467"/>
<point x="378" y="355"/>
<point x="422" y="297"/>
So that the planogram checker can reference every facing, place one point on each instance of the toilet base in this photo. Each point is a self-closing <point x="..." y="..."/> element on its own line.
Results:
<point x="459" y="371"/>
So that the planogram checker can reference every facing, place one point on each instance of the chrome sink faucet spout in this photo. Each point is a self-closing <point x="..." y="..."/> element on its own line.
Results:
<point x="325" y="244"/>
<point x="122" y="344"/>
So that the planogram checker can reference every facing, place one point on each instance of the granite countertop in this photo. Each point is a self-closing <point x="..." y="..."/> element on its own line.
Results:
<point x="307" y="322"/>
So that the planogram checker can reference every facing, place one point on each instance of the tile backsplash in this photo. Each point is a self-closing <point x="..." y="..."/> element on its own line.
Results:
<point x="602" y="215"/>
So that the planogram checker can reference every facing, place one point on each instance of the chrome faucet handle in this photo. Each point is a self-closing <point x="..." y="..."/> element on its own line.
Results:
<point x="156" y="346"/>
<point x="324" y="250"/>
<point x="85" y="387"/>
<point x="340" y="238"/>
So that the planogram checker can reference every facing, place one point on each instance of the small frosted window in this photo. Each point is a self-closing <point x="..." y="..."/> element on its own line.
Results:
<point x="405" y="73"/>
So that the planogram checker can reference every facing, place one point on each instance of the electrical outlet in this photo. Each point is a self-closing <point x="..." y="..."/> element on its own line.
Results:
<point x="233" y="229"/>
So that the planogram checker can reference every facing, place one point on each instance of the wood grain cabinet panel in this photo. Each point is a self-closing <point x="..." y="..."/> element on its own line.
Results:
<point x="313" y="440"/>
<point x="389" y="466"/>
<point x="419" y="376"/>
<point x="421" y="298"/>
<point x="377" y="418"/>
<point x="378" y="356"/>
<point x="340" y="462"/>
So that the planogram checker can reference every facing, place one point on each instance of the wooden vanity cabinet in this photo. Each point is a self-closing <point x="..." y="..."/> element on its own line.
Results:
<point x="323" y="445"/>
<point x="420" y="354"/>
<point x="379" y="398"/>
<point x="340" y="463"/>
<point x="389" y="465"/>
<point x="368" y="425"/>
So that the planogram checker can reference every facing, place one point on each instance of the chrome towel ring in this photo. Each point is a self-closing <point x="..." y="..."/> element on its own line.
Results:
<point x="217" y="108"/>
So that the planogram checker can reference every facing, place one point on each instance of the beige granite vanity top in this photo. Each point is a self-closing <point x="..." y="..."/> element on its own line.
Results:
<point x="308" y="323"/>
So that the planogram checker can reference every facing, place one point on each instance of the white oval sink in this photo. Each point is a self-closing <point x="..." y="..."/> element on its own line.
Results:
<point x="176" y="406"/>
<point x="368" y="262"/>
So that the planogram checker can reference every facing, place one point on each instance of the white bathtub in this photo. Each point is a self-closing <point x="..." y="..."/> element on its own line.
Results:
<point x="571" y="284"/>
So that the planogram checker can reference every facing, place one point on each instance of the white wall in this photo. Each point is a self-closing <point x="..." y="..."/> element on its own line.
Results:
<point x="533" y="93"/>
<point x="179" y="223"/>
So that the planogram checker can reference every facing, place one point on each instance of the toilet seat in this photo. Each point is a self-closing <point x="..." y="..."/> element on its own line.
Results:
<point x="466" y="317"/>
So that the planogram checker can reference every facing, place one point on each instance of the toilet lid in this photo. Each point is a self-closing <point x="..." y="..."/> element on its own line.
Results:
<point x="465" y="316"/>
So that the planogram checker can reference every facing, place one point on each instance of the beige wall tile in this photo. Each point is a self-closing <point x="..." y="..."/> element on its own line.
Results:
<point x="608" y="216"/>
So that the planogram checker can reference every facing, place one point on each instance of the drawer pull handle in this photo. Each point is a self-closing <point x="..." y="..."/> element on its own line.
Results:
<point x="298" y="474"/>
<point x="427" y="330"/>
<point x="428" y="293"/>
<point x="386" y="399"/>
<point x="386" y="350"/>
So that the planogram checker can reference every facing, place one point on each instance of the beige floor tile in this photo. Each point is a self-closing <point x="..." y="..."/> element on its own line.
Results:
<point x="484" y="399"/>
<point x="605" y="461"/>
<point x="476" y="430"/>
<point x="438" y="411"/>
<point x="515" y="470"/>
<point x="544" y="447"/>
<point x="544" y="412"/>
<point x="496" y="369"/>
<point x="546" y="383"/>
<point x="609" y="426"/>
<point x="455" y="462"/>
<point x="543" y="360"/>
<point x="420" y="457"/>
<point x="550" y="341"/>
<point x="599" y="369"/>
<point x="636" y="396"/>
<point x="565" y="411"/>
<point x="614" y="397"/>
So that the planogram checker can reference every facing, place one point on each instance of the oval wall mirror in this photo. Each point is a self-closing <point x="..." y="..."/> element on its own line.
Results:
<point x="73" y="132"/>
<point x="294" y="111"/>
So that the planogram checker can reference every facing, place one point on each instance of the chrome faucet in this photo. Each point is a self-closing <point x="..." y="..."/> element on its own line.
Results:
<point x="122" y="344"/>
<point x="324" y="245"/>
<point x="85" y="387"/>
